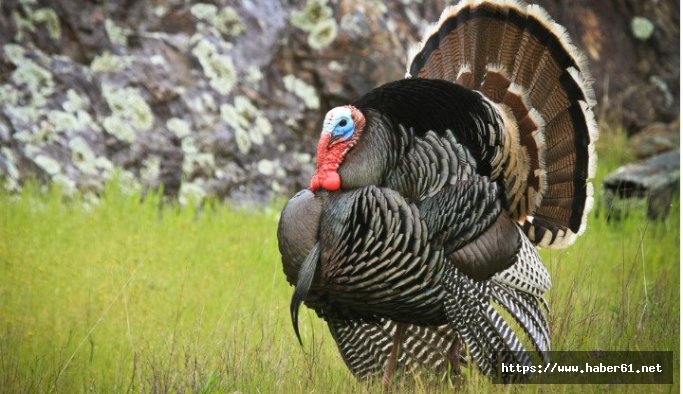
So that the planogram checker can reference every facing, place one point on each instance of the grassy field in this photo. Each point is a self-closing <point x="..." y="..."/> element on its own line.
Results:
<point x="130" y="296"/>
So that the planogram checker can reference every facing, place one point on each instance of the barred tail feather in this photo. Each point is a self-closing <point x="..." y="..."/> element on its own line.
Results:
<point x="526" y="66"/>
<point x="428" y="346"/>
<point x="520" y="289"/>
<point x="488" y="336"/>
<point x="527" y="274"/>
<point x="365" y="346"/>
<point x="527" y="313"/>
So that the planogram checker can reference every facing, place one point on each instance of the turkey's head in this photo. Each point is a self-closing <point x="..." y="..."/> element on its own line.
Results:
<point x="341" y="129"/>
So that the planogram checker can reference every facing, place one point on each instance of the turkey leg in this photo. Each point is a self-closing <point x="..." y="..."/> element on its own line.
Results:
<point x="454" y="356"/>
<point x="390" y="366"/>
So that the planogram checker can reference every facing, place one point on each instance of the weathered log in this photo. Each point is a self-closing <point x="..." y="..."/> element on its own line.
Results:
<point x="653" y="181"/>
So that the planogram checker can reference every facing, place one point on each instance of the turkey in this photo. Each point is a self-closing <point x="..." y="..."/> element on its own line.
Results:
<point x="417" y="237"/>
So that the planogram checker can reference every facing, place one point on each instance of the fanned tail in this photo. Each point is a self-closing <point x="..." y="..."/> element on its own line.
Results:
<point x="526" y="66"/>
<point x="489" y="338"/>
<point x="518" y="290"/>
<point x="365" y="346"/>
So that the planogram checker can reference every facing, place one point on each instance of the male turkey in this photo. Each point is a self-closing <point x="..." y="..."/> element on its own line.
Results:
<point x="431" y="193"/>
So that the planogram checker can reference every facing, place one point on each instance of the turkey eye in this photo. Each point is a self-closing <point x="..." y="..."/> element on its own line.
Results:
<point x="342" y="123"/>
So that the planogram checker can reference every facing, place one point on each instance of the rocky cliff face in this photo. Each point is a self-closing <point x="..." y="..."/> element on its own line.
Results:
<point x="225" y="98"/>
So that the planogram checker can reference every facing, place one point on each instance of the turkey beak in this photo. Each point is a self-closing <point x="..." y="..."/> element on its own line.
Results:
<point x="335" y="138"/>
<point x="303" y="284"/>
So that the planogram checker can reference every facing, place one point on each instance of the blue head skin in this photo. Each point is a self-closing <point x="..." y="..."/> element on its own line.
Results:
<point x="339" y="123"/>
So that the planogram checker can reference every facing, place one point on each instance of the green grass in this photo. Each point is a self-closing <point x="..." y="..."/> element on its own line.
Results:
<point x="130" y="295"/>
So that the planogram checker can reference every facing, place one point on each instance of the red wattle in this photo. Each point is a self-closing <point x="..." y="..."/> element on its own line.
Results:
<point x="331" y="181"/>
<point x="329" y="159"/>
<point x="315" y="182"/>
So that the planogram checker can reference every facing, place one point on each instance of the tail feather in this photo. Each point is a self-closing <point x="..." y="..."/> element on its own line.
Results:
<point x="428" y="346"/>
<point x="489" y="338"/>
<point x="526" y="313"/>
<point x="527" y="274"/>
<point x="525" y="64"/>
<point x="518" y="290"/>
<point x="365" y="346"/>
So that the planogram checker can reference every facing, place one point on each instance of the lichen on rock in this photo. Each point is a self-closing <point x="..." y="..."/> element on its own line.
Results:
<point x="115" y="33"/>
<point x="82" y="156"/>
<point x="249" y="123"/>
<point x="192" y="192"/>
<point x="109" y="63"/>
<point x="66" y="184"/>
<point x="315" y="12"/>
<point x="36" y="135"/>
<point x="323" y="34"/>
<point x="179" y="127"/>
<point x="48" y="164"/>
<point x="14" y="53"/>
<point x="126" y="180"/>
<point x="62" y="121"/>
<point x="36" y="81"/>
<point x="318" y="21"/>
<point x="25" y="115"/>
<point x="8" y="95"/>
<point x="243" y="141"/>
<point x="44" y="16"/>
<point x="75" y="102"/>
<point x="253" y="76"/>
<point x="119" y="129"/>
<point x="225" y="21"/>
<point x="23" y="25"/>
<point x="151" y="167"/>
<point x="49" y="18"/>
<point x="266" y="167"/>
<point x="218" y="67"/>
<point x="304" y="91"/>
<point x="106" y="167"/>
<point x="303" y="158"/>
<point x="194" y="159"/>
<point x="642" y="28"/>
<point x="75" y="116"/>
<point x="10" y="170"/>
<point x="130" y="112"/>
<point x="228" y="22"/>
